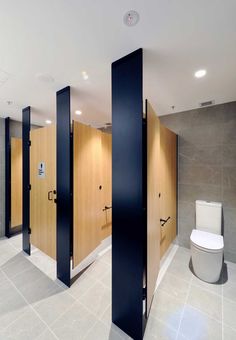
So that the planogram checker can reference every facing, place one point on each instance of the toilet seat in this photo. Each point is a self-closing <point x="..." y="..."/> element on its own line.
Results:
<point x="208" y="242"/>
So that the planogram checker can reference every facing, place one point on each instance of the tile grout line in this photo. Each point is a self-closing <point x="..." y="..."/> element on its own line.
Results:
<point x="185" y="303"/>
<point x="31" y="307"/>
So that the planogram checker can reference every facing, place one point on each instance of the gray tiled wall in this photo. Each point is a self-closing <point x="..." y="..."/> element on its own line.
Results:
<point x="2" y="177"/>
<point x="207" y="166"/>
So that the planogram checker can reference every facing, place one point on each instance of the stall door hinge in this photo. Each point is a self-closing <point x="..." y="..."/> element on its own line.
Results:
<point x="29" y="187"/>
<point x="29" y="143"/>
<point x="144" y="293"/>
<point x="29" y="231"/>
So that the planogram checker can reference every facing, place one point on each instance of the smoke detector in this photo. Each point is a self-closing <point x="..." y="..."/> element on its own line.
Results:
<point x="131" y="18"/>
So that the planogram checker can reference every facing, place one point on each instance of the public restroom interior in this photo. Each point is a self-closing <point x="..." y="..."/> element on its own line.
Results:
<point x="118" y="170"/>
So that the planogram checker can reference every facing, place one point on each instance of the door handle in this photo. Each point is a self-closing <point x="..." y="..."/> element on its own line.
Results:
<point x="106" y="208"/>
<point x="50" y="198"/>
<point x="163" y="222"/>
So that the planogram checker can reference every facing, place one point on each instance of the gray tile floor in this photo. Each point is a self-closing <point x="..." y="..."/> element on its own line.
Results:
<point x="35" y="305"/>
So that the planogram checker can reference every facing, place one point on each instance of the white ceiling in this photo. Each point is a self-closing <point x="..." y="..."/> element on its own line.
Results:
<point x="62" y="38"/>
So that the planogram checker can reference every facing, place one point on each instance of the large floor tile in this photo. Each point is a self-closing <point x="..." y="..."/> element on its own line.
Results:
<point x="97" y="269"/>
<point x="97" y="299"/>
<point x="12" y="305"/>
<point x="199" y="326"/>
<point x="101" y="331"/>
<point x="211" y="287"/>
<point x="205" y="301"/>
<point x="47" y="335"/>
<point x="183" y="255"/>
<point x="6" y="254"/>
<point x="180" y="269"/>
<point x="52" y="307"/>
<point x="106" y="279"/>
<point x="158" y="330"/>
<point x="229" y="313"/>
<point x="106" y="316"/>
<point x="40" y="290"/>
<point x="74" y="324"/>
<point x="174" y="286"/>
<point x="81" y="285"/>
<point x="229" y="290"/>
<point x="17" y="265"/>
<point x="27" y="327"/>
<point x="167" y="309"/>
<point x="106" y="257"/>
<point x="228" y="333"/>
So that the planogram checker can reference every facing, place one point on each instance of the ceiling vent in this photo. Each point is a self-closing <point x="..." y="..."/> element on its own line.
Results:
<point x="207" y="103"/>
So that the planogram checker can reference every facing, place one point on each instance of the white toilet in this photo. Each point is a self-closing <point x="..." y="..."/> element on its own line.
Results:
<point x="207" y="244"/>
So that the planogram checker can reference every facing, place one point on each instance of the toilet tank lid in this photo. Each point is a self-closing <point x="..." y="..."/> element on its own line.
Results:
<point x="207" y="240"/>
<point x="212" y="204"/>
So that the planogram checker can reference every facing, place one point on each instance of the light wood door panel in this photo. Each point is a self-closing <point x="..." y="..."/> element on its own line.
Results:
<point x="43" y="210"/>
<point x="168" y="141"/>
<point x="88" y="197"/>
<point x="153" y="208"/>
<point x="107" y="184"/>
<point x="16" y="182"/>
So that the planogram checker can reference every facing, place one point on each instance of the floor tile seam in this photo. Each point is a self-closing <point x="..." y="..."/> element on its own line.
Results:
<point x="164" y="323"/>
<point x="177" y="278"/>
<point x="206" y="289"/>
<point x="18" y="317"/>
<point x="20" y="272"/>
<point x="62" y="314"/>
<point x="207" y="315"/>
<point x="31" y="307"/>
<point x="97" y="321"/>
<point x="169" y="295"/>
<point x="185" y="303"/>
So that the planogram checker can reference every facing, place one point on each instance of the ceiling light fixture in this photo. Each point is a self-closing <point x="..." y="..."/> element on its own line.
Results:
<point x="78" y="112"/>
<point x="200" y="73"/>
<point x="131" y="18"/>
<point x="85" y="75"/>
<point x="48" y="121"/>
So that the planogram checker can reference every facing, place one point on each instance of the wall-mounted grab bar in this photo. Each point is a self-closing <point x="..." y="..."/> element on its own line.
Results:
<point x="163" y="222"/>
<point x="107" y="208"/>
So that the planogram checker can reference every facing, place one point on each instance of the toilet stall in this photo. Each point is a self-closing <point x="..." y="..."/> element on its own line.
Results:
<point x="144" y="196"/>
<point x="89" y="227"/>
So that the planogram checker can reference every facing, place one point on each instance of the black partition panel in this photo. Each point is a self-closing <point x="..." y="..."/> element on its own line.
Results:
<point x="128" y="195"/>
<point x="64" y="186"/>
<point x="7" y="178"/>
<point x="26" y="179"/>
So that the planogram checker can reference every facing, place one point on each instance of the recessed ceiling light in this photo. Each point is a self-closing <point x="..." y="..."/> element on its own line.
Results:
<point x="131" y="18"/>
<point x="48" y="121"/>
<point x="78" y="112"/>
<point x="200" y="73"/>
<point x="85" y="75"/>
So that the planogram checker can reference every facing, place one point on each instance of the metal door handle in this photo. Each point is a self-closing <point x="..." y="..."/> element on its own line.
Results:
<point x="50" y="198"/>
<point x="163" y="222"/>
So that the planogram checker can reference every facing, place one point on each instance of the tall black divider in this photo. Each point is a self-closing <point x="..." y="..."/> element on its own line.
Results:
<point x="64" y="186"/>
<point x="7" y="177"/>
<point x="129" y="224"/>
<point x="26" y="119"/>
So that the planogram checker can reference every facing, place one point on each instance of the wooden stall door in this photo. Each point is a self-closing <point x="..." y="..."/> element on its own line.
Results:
<point x="107" y="184"/>
<point x="43" y="183"/>
<point x="16" y="182"/>
<point x="153" y="209"/>
<point x="168" y="186"/>
<point x="88" y="195"/>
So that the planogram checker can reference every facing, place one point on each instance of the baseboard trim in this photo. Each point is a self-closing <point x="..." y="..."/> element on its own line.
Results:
<point x="96" y="253"/>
